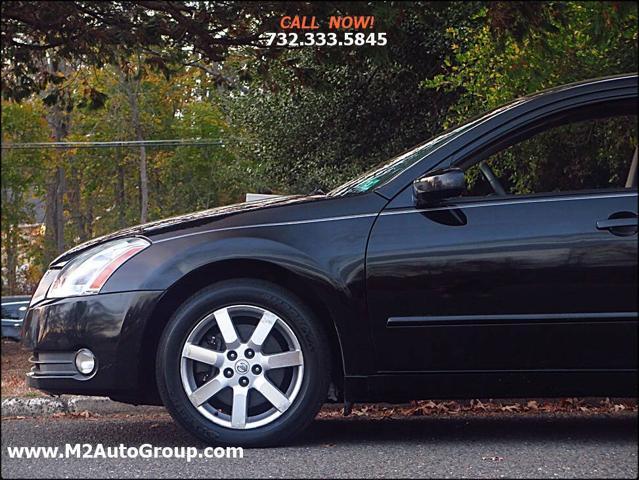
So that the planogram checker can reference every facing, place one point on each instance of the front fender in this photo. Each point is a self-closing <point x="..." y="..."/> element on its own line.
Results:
<point x="163" y="264"/>
<point x="327" y="259"/>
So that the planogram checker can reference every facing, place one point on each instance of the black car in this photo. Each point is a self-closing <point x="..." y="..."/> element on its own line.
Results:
<point x="445" y="272"/>
<point x="14" y="308"/>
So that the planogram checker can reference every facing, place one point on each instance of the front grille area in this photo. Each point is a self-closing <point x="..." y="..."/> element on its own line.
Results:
<point x="54" y="364"/>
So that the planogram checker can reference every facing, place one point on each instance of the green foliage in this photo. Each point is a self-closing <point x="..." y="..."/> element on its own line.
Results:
<point x="181" y="179"/>
<point x="316" y="117"/>
<point x="22" y="182"/>
<point x="102" y="184"/>
<point x="494" y="62"/>
<point x="22" y="171"/>
<point x="37" y="35"/>
<point x="573" y="41"/>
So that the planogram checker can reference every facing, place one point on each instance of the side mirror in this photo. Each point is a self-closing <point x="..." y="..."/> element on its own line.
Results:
<point x="439" y="185"/>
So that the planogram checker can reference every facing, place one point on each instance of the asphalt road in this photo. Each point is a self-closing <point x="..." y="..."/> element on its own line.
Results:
<point x="601" y="446"/>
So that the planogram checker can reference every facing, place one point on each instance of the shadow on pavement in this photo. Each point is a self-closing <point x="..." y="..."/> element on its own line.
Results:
<point x="538" y="428"/>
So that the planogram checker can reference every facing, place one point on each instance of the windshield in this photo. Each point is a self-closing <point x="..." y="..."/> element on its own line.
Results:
<point x="388" y="169"/>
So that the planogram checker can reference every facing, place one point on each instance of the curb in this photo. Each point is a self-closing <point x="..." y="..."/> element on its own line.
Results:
<point x="32" y="406"/>
<point x="73" y="404"/>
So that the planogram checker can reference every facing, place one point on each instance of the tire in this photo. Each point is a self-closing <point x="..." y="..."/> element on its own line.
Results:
<point x="304" y="383"/>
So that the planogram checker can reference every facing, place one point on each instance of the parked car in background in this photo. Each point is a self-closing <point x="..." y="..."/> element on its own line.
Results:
<point x="476" y="265"/>
<point x="13" y="311"/>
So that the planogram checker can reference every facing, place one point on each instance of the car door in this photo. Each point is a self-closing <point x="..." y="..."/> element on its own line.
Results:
<point x="515" y="282"/>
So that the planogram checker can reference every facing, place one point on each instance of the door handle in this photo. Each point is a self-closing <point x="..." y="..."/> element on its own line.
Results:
<point x="616" y="222"/>
<point x="621" y="223"/>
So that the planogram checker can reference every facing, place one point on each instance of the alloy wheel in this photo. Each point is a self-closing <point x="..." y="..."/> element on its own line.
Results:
<point x="241" y="366"/>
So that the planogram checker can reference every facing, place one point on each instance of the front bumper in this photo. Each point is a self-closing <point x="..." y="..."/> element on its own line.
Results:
<point x="110" y="325"/>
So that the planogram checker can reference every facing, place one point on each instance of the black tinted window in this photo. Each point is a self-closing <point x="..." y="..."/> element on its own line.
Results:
<point x="593" y="154"/>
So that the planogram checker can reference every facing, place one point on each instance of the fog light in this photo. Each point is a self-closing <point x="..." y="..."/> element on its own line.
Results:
<point x="85" y="361"/>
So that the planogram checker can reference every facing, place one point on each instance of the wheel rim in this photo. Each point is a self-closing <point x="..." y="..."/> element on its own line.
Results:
<point x="241" y="367"/>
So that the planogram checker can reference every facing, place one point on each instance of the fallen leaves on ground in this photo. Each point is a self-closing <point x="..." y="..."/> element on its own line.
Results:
<point x="85" y="414"/>
<point x="15" y="365"/>
<point x="488" y="407"/>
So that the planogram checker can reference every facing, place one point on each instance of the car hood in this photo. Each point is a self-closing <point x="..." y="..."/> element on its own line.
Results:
<point x="187" y="220"/>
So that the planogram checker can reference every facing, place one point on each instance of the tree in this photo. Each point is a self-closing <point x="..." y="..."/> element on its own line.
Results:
<point x="315" y="117"/>
<point x="131" y="74"/>
<point x="22" y="180"/>
<point x="494" y="61"/>
<point x="102" y="32"/>
<point x="59" y="103"/>
<point x="179" y="179"/>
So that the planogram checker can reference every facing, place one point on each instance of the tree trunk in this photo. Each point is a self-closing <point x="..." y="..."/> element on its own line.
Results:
<point x="54" y="212"/>
<point x="74" y="196"/>
<point x="59" y="119"/>
<point x="144" y="185"/>
<point x="120" y="196"/>
<point x="11" y="252"/>
<point x="132" y="87"/>
<point x="88" y="221"/>
<point x="54" y="215"/>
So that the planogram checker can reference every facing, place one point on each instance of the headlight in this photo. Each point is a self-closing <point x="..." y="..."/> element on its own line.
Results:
<point x="89" y="271"/>
<point x="43" y="287"/>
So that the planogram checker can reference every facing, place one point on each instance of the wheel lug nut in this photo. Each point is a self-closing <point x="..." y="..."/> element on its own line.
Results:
<point x="256" y="369"/>
<point x="232" y="355"/>
<point x="249" y="353"/>
<point x="244" y="381"/>
<point x="228" y="372"/>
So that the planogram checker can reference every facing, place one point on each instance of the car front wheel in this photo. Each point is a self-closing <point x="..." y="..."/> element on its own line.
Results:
<point x="243" y="362"/>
